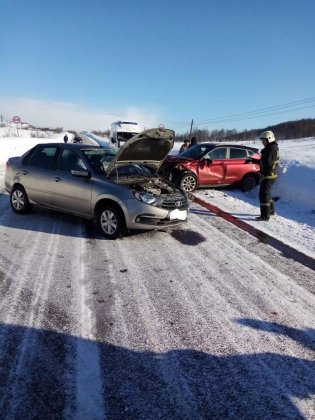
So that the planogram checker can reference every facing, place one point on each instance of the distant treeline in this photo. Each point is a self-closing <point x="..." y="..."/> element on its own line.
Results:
<point x="283" y="131"/>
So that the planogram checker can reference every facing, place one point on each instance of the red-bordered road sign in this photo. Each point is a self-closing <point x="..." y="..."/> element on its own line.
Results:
<point x="16" y="119"/>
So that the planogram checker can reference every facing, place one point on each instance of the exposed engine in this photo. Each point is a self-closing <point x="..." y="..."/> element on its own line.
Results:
<point x="156" y="187"/>
<point x="169" y="197"/>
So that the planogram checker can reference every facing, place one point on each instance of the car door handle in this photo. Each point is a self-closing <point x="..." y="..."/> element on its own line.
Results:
<point x="56" y="178"/>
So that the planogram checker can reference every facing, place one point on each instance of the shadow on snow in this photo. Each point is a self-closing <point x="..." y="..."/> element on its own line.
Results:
<point x="45" y="374"/>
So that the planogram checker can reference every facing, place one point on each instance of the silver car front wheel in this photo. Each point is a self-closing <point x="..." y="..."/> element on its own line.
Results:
<point x="111" y="222"/>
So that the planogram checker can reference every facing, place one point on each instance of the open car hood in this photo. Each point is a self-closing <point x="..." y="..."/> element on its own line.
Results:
<point x="150" y="148"/>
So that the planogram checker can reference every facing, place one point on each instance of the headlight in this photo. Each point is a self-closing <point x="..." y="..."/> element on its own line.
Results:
<point x="145" y="198"/>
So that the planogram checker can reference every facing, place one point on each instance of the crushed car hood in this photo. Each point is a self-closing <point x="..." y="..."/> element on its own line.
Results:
<point x="149" y="148"/>
<point x="177" y="159"/>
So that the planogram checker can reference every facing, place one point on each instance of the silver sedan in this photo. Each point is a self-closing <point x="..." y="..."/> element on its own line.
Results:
<point x="118" y="190"/>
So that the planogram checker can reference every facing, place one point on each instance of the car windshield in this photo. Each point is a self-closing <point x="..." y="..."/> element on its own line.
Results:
<point x="100" y="158"/>
<point x="196" y="152"/>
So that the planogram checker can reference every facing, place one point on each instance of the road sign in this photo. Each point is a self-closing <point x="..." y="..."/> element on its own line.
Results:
<point x="16" y="119"/>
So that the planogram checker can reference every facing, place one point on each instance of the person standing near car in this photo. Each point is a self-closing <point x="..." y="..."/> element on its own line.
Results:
<point x="184" y="146"/>
<point x="268" y="166"/>
<point x="193" y="142"/>
<point x="65" y="139"/>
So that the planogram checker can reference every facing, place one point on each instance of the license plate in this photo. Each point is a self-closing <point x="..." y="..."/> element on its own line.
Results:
<point x="178" y="214"/>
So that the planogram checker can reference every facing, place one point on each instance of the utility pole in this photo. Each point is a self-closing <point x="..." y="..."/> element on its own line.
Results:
<point x="191" y="126"/>
<point x="1" y="118"/>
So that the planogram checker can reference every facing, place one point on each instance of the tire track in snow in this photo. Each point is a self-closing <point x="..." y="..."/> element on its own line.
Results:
<point x="137" y="328"/>
<point x="89" y="383"/>
<point x="175" y="310"/>
<point x="24" y="376"/>
<point x="170" y="303"/>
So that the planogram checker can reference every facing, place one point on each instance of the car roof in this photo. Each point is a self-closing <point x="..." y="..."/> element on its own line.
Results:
<point x="228" y="145"/>
<point x="237" y="146"/>
<point x="80" y="146"/>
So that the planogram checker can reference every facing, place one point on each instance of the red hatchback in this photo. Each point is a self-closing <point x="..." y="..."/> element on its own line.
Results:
<point x="213" y="165"/>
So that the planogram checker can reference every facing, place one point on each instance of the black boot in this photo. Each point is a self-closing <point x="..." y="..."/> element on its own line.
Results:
<point x="264" y="213"/>
<point x="262" y="219"/>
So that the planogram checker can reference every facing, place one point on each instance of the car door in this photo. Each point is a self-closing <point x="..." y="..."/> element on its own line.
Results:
<point x="212" y="168"/>
<point x="71" y="193"/>
<point x="236" y="166"/>
<point x="36" y="174"/>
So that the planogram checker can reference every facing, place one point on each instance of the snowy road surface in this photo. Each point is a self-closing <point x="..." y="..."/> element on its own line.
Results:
<point x="202" y="321"/>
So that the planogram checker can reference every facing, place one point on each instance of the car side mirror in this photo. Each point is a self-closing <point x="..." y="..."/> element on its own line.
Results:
<point x="81" y="173"/>
<point x="208" y="161"/>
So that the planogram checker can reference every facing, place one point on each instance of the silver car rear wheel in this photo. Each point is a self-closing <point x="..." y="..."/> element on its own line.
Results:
<point x="188" y="182"/>
<point x="19" y="200"/>
<point x="111" y="222"/>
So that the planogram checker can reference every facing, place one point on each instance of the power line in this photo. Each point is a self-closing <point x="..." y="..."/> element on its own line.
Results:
<point x="260" y="115"/>
<point x="261" y="112"/>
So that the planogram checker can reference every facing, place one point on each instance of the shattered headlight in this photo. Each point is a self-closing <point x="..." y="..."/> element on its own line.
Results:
<point x="146" y="198"/>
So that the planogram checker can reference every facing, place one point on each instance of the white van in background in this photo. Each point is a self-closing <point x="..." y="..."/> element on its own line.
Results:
<point x="121" y="131"/>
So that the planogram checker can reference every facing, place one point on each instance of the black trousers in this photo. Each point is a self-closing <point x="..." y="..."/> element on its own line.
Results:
<point x="266" y="203"/>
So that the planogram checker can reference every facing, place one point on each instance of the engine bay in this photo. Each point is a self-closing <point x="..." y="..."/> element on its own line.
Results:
<point x="153" y="186"/>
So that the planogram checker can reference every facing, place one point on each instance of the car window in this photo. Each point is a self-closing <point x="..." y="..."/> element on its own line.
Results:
<point x="195" y="152"/>
<point x="100" y="158"/>
<point x="218" y="153"/>
<point x="70" y="161"/>
<point x="42" y="157"/>
<point x="236" y="153"/>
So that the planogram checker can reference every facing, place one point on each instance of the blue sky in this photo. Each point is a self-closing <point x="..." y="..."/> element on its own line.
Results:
<point x="81" y="64"/>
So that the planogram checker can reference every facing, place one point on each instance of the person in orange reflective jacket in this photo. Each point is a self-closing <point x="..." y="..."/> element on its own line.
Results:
<point x="269" y="167"/>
